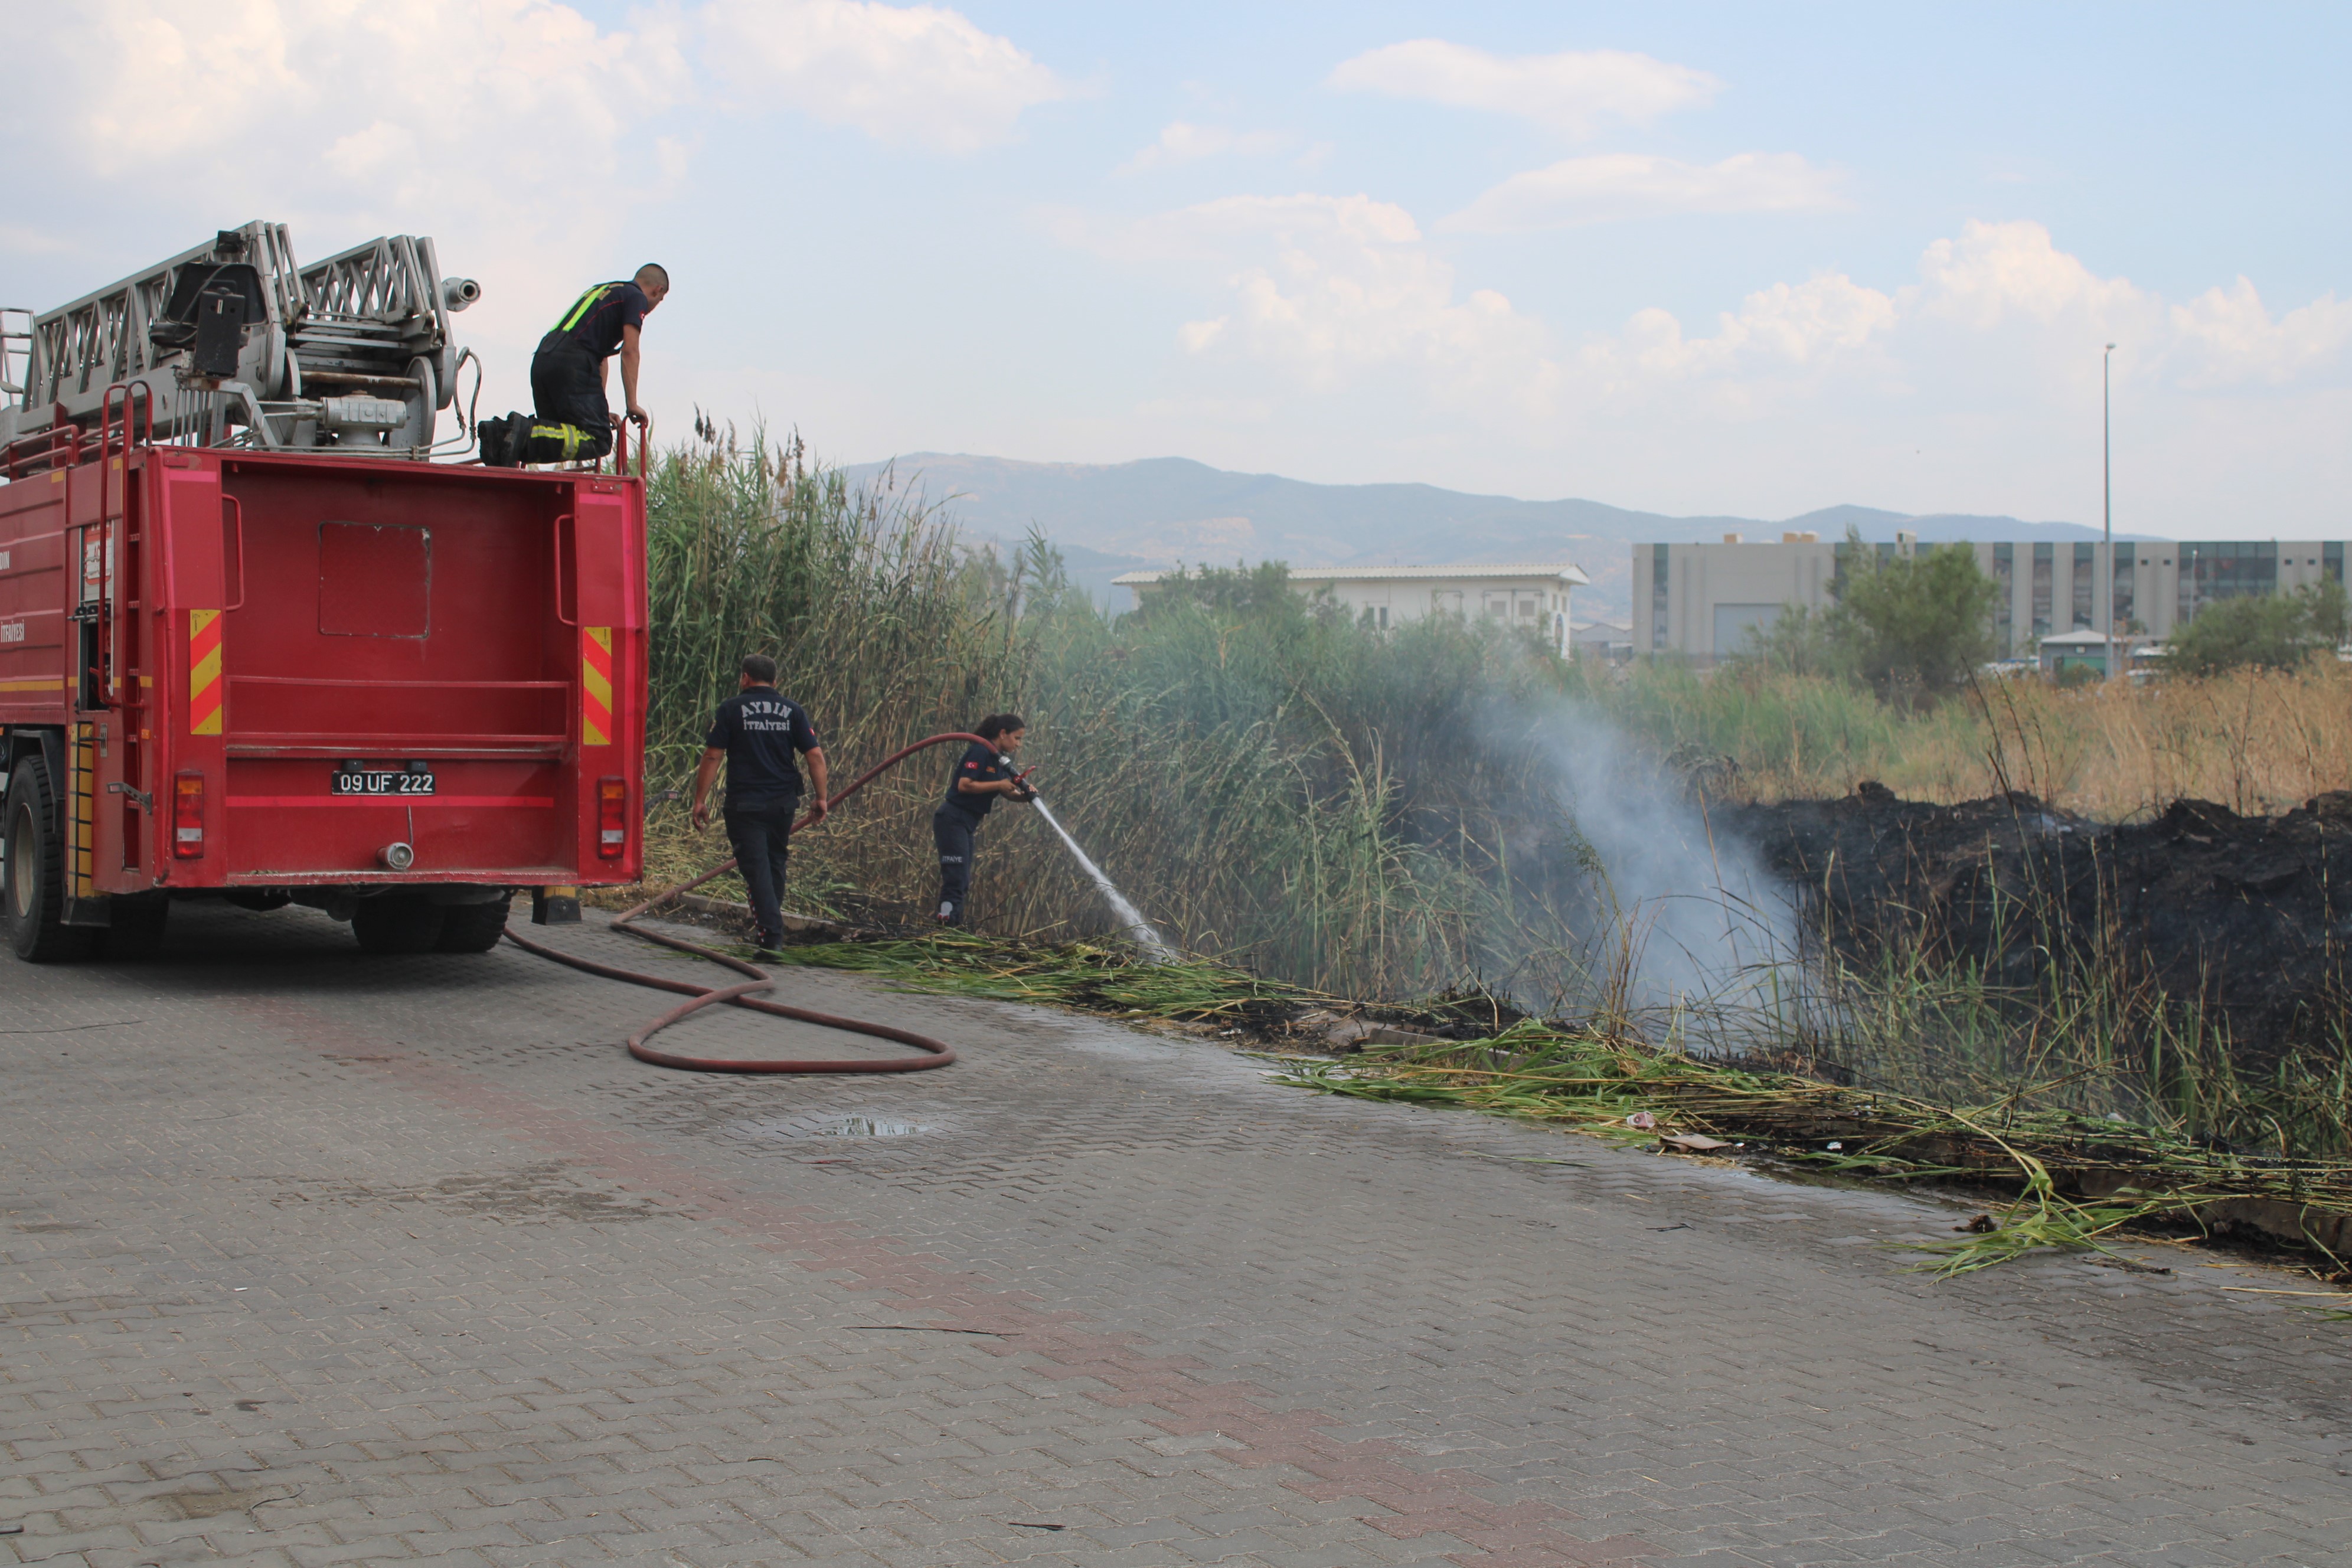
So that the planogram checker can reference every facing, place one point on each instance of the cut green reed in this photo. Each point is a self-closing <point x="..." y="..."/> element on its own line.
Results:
<point x="1597" y="1083"/>
<point x="1110" y="979"/>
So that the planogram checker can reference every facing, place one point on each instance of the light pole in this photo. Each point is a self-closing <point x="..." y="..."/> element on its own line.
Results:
<point x="2108" y="497"/>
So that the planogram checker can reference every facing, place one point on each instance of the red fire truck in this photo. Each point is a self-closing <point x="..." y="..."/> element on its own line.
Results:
<point x="258" y="648"/>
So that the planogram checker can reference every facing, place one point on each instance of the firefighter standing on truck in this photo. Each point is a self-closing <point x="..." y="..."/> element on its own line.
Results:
<point x="571" y="419"/>
<point x="981" y="775"/>
<point x="758" y="731"/>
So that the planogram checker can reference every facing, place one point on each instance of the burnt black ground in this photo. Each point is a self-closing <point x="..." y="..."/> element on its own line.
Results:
<point x="2250" y="915"/>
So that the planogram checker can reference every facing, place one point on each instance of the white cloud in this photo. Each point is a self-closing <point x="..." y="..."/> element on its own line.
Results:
<point x="1785" y="335"/>
<point x="2012" y="276"/>
<point x="1571" y="92"/>
<point x="1324" y="288"/>
<point x="145" y="82"/>
<point x="917" y="75"/>
<point x="2228" y="335"/>
<point x="2000" y="313"/>
<point x="1993" y="272"/>
<point x="1620" y="185"/>
<point x="1184" y="143"/>
<point x="345" y="116"/>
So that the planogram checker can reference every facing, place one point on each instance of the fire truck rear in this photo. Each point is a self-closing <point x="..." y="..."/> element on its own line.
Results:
<point x="254" y="645"/>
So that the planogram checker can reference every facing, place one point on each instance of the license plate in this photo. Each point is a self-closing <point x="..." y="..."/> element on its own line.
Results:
<point x="381" y="780"/>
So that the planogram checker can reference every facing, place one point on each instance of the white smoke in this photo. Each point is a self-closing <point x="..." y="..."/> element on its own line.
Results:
<point x="1672" y="914"/>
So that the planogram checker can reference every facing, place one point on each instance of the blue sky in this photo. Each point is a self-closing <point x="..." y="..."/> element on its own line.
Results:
<point x="1699" y="258"/>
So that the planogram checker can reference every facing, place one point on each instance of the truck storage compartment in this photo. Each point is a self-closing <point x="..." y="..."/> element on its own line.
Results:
<point x="402" y="661"/>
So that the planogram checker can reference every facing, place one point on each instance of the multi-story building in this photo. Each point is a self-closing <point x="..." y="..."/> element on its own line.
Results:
<point x="1702" y="600"/>
<point x="1534" y="596"/>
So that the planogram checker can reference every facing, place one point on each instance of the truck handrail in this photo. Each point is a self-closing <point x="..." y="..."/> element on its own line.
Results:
<point x="560" y="616"/>
<point x="135" y="393"/>
<point x="229" y="500"/>
<point x="621" y="445"/>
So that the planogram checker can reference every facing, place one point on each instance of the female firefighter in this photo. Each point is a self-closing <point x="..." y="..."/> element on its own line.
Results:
<point x="981" y="775"/>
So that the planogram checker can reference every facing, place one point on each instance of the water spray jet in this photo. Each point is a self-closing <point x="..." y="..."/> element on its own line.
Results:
<point x="1130" y="917"/>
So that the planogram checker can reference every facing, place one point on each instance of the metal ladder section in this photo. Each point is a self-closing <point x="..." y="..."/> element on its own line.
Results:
<point x="372" y="320"/>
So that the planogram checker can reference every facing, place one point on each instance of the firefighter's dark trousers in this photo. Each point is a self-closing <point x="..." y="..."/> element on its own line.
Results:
<point x="570" y="420"/>
<point x="761" y="837"/>
<point x="953" y="831"/>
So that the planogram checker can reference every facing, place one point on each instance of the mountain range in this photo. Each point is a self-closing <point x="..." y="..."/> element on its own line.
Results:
<point x="1116" y="517"/>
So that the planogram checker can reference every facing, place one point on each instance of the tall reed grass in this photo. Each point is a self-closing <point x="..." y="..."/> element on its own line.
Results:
<point x="1287" y="789"/>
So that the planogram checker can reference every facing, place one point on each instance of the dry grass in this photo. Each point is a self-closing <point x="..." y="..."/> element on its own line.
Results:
<point x="2259" y="742"/>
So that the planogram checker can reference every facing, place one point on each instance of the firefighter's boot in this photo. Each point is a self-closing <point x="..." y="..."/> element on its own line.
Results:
<point x="497" y="441"/>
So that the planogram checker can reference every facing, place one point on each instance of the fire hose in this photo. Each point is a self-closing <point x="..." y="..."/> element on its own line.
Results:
<point x="937" y="1053"/>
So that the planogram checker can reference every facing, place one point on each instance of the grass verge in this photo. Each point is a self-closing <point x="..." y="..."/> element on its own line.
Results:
<point x="2078" y="1179"/>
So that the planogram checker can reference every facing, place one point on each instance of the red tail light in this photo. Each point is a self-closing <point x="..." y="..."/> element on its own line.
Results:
<point x="611" y="818"/>
<point x="188" y="817"/>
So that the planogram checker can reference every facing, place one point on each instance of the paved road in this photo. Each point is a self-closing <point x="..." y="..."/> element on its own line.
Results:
<point x="315" y="1258"/>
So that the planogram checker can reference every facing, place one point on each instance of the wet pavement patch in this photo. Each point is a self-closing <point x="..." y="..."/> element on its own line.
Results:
<point x="538" y="1193"/>
<point x="797" y="1128"/>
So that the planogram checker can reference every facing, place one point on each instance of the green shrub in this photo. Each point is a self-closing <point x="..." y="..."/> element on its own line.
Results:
<point x="1921" y="623"/>
<point x="2268" y="631"/>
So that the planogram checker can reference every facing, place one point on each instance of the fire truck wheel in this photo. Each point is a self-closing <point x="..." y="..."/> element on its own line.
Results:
<point x="137" y="931"/>
<point x="32" y="901"/>
<point x="473" y="928"/>
<point x="396" y="923"/>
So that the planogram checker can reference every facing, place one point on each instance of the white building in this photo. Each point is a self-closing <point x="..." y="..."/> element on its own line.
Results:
<point x="1607" y="641"/>
<point x="1524" y="596"/>
<point x="1701" y="600"/>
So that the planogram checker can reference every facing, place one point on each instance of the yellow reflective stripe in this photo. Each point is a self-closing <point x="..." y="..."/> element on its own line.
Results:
<point x="596" y="686"/>
<point x="572" y="435"/>
<point x="203" y="672"/>
<point x="582" y="306"/>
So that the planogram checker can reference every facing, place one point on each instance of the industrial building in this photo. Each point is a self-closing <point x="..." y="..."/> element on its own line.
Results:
<point x="1534" y="596"/>
<point x="1701" y="601"/>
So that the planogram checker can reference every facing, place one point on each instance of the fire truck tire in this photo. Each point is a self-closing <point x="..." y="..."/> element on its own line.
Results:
<point x="32" y="898"/>
<point x="473" y="928"/>
<point x="393" y="923"/>
<point x="137" y="928"/>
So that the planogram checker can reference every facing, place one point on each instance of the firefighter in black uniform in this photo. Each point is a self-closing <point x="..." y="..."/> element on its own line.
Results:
<point x="571" y="421"/>
<point x="982" y="776"/>
<point x="758" y="731"/>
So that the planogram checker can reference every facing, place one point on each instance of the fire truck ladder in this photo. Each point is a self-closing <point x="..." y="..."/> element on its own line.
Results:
<point x="235" y="341"/>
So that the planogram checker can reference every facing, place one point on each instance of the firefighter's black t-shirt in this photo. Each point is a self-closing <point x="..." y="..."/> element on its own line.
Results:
<point x="760" y="730"/>
<point x="594" y="322"/>
<point x="981" y="764"/>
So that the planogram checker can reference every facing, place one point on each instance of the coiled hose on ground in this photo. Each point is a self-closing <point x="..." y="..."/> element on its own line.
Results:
<point x="936" y="1053"/>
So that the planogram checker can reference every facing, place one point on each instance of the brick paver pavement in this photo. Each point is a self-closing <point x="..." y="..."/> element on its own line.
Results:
<point x="315" y="1258"/>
